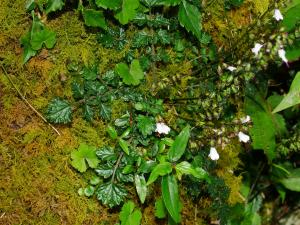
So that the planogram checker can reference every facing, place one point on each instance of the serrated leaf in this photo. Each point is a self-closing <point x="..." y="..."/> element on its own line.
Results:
<point x="124" y="145"/>
<point x="129" y="215"/>
<point x="145" y="124"/>
<point x="127" y="11"/>
<point x="179" y="145"/>
<point x="105" y="111"/>
<point x="160" y="209"/>
<point x="88" y="112"/>
<point x="54" y="5"/>
<point x="94" y="18"/>
<point x="59" y="111"/>
<point x="106" y="153"/>
<point x="141" y="187"/>
<point x="89" y="191"/>
<point x="104" y="171"/>
<point x="43" y="37"/>
<point x="112" y="132"/>
<point x="109" y="4"/>
<point x="163" y="37"/>
<point x="159" y="170"/>
<point x="132" y="76"/>
<point x="171" y="197"/>
<point x="293" y="96"/>
<point x="85" y="156"/>
<point x="121" y="177"/>
<point x="189" y="17"/>
<point x="123" y="120"/>
<point x="78" y="91"/>
<point x="111" y="194"/>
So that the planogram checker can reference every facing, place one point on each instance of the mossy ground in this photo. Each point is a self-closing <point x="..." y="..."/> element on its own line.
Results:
<point x="38" y="186"/>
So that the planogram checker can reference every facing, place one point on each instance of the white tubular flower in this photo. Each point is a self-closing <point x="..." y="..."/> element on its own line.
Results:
<point x="213" y="154"/>
<point x="243" y="137"/>
<point x="256" y="48"/>
<point x="277" y="15"/>
<point x="231" y="68"/>
<point x="281" y="54"/>
<point x="245" y="119"/>
<point x="162" y="128"/>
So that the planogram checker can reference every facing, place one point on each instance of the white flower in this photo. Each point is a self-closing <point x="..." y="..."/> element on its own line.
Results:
<point x="281" y="54"/>
<point x="162" y="128"/>
<point x="256" y="48"/>
<point x="277" y="15"/>
<point x="231" y="68"/>
<point x="245" y="119"/>
<point x="213" y="154"/>
<point x="243" y="137"/>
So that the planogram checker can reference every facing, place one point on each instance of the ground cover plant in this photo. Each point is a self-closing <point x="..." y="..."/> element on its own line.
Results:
<point x="149" y="111"/>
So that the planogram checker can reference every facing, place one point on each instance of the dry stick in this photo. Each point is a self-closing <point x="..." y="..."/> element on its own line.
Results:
<point x="25" y="100"/>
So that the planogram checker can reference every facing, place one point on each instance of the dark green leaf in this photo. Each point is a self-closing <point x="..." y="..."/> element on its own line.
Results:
<point x="78" y="91"/>
<point x="121" y="177"/>
<point x="127" y="11"/>
<point x="159" y="170"/>
<point x="112" y="132"/>
<point x="171" y="197"/>
<point x="106" y="153"/>
<point x="186" y="168"/>
<point x="46" y="37"/>
<point x="104" y="171"/>
<point x="90" y="73"/>
<point x="94" y="18"/>
<point x="129" y="216"/>
<point x="123" y="120"/>
<point x="160" y="209"/>
<point x="141" y="187"/>
<point x="145" y="124"/>
<point x="59" y="111"/>
<point x="190" y="18"/>
<point x="84" y="154"/>
<point x="124" y="145"/>
<point x="105" y="111"/>
<point x="179" y="145"/>
<point x="292" y="182"/>
<point x="147" y="166"/>
<point x="88" y="112"/>
<point x="54" y="5"/>
<point x="111" y="194"/>
<point x="163" y="37"/>
<point x="28" y="52"/>
<point x="89" y="191"/>
<point x="109" y="4"/>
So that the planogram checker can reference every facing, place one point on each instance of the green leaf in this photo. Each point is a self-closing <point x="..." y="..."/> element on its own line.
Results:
<point x="105" y="111"/>
<point x="293" y="51"/>
<point x="94" y="18"/>
<point x="104" y="171"/>
<point x="111" y="194"/>
<point x="129" y="215"/>
<point x="132" y="76"/>
<point x="95" y="180"/>
<point x="145" y="124"/>
<point x="54" y="5"/>
<point x="46" y="37"/>
<point x="89" y="191"/>
<point x="84" y="154"/>
<point x="292" y="182"/>
<point x="106" y="153"/>
<point x="124" y="145"/>
<point x="109" y="4"/>
<point x="88" y="113"/>
<point x="190" y="18"/>
<point x="179" y="145"/>
<point x="141" y="187"/>
<point x="291" y="17"/>
<point x="127" y="11"/>
<point x="186" y="168"/>
<point x="293" y="96"/>
<point x="159" y="170"/>
<point x="28" y="52"/>
<point x="59" y="111"/>
<point x="112" y="132"/>
<point x="160" y="209"/>
<point x="171" y="197"/>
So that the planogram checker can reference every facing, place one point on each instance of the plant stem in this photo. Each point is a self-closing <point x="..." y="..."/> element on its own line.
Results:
<point x="116" y="167"/>
<point x="25" y="100"/>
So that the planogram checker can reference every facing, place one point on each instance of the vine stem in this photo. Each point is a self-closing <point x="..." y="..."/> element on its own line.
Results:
<point x="116" y="167"/>
<point x="27" y="102"/>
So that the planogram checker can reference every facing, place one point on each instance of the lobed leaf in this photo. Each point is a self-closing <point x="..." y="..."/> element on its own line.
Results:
<point x="111" y="194"/>
<point x="128" y="11"/>
<point x="85" y="156"/>
<point x="59" y="111"/>
<point x="94" y="18"/>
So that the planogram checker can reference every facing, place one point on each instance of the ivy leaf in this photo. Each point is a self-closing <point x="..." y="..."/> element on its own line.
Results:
<point x="160" y="209"/>
<point x="145" y="124"/>
<point x="105" y="111"/>
<point x="46" y="37"/>
<point x="59" y="111"/>
<point x="190" y="18"/>
<point x="28" y="51"/>
<point x="104" y="171"/>
<point x="111" y="194"/>
<point x="129" y="215"/>
<point x="127" y="11"/>
<point x="186" y="168"/>
<point x="106" y="153"/>
<point x="109" y="4"/>
<point x="132" y="76"/>
<point x="94" y="18"/>
<point x="170" y="195"/>
<point x="179" y="145"/>
<point x="54" y="5"/>
<point x="84" y="154"/>
<point x="141" y="187"/>
<point x="292" y="98"/>
<point x="159" y="170"/>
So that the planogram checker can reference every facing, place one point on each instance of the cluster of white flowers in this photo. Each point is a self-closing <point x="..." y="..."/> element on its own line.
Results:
<point x="281" y="52"/>
<point x="162" y="128"/>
